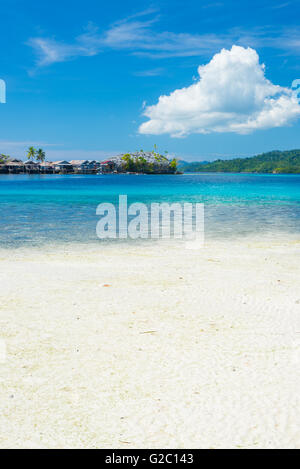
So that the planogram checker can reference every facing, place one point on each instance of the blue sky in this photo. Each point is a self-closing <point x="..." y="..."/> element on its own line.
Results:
<point x="81" y="76"/>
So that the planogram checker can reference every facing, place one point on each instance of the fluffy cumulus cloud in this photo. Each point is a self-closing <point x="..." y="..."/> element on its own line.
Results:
<point x="231" y="95"/>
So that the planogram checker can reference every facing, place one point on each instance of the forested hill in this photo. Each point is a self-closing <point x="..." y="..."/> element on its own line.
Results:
<point x="277" y="162"/>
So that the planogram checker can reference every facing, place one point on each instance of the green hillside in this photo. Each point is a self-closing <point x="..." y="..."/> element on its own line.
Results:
<point x="276" y="162"/>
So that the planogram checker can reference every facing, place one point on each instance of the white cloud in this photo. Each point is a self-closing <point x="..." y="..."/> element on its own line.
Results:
<point x="50" y="51"/>
<point x="53" y="155"/>
<point x="54" y="151"/>
<point x="133" y="36"/>
<point x="141" y="38"/>
<point x="152" y="72"/>
<point x="231" y="95"/>
<point x="139" y="34"/>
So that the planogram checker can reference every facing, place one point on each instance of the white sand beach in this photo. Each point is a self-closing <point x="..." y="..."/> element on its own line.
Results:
<point x="127" y="346"/>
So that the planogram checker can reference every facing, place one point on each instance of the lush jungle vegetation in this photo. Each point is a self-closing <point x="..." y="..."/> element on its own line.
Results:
<point x="142" y="162"/>
<point x="276" y="162"/>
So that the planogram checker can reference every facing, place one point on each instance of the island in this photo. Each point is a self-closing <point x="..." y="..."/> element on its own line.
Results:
<point x="274" y="162"/>
<point x="139" y="162"/>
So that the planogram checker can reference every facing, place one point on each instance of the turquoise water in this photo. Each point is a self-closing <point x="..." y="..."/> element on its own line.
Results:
<point x="42" y="209"/>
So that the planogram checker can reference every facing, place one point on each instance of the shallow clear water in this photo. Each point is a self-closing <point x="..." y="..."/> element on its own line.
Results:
<point x="48" y="209"/>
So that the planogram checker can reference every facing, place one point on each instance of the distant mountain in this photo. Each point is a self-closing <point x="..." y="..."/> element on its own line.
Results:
<point x="276" y="162"/>
<point x="189" y="166"/>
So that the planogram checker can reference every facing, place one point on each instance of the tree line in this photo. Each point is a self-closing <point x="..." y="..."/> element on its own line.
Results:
<point x="274" y="162"/>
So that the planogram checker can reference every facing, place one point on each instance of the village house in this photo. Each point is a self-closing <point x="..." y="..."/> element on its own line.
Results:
<point x="62" y="167"/>
<point x="47" y="167"/>
<point x="31" y="167"/>
<point x="85" y="166"/>
<point x="107" y="166"/>
<point x="95" y="165"/>
<point x="14" y="166"/>
<point x="82" y="166"/>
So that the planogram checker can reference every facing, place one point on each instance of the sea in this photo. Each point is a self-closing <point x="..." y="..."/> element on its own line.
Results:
<point x="36" y="210"/>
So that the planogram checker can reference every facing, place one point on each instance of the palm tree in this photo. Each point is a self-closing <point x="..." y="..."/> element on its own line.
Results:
<point x="40" y="155"/>
<point x="4" y="158"/>
<point x="31" y="153"/>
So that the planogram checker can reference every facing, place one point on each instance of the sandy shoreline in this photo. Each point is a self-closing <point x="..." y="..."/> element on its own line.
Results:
<point x="182" y="349"/>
